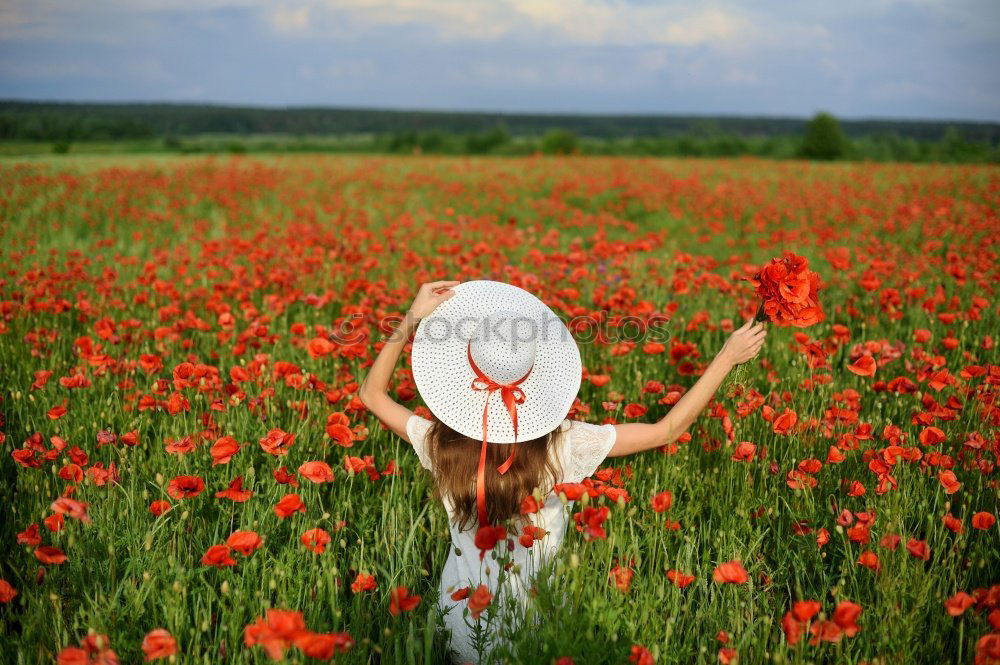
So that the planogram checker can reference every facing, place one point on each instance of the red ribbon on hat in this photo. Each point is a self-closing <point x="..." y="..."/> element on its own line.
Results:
<point x="511" y="396"/>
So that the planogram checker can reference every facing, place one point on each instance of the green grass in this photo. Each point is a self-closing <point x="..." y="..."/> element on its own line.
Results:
<point x="161" y="247"/>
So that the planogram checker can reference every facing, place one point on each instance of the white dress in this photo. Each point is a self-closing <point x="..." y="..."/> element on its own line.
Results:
<point x="580" y="448"/>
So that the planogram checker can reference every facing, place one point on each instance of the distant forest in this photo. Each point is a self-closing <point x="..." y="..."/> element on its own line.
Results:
<point x="193" y="128"/>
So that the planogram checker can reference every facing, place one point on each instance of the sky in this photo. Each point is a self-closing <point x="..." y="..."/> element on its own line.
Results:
<point x="921" y="59"/>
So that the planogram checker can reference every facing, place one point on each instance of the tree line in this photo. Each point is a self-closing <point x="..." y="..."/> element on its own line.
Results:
<point x="203" y="128"/>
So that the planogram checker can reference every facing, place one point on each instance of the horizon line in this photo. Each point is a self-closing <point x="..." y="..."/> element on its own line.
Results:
<point x="481" y="111"/>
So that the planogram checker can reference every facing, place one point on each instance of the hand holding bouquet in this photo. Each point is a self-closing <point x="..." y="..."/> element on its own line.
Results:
<point x="788" y="293"/>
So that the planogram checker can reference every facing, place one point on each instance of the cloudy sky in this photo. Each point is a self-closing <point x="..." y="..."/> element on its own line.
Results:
<point x="856" y="58"/>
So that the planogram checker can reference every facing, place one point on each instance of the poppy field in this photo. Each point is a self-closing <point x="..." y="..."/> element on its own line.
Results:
<point x="188" y="475"/>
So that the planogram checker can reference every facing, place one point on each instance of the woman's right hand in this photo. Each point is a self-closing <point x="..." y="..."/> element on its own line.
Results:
<point x="745" y="343"/>
<point x="429" y="297"/>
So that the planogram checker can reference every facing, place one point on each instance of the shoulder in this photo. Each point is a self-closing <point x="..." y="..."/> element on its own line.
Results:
<point x="583" y="433"/>
<point x="583" y="447"/>
<point x="417" y="427"/>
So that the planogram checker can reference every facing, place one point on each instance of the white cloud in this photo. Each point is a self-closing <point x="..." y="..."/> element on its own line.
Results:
<point x="581" y="22"/>
<point x="284" y="19"/>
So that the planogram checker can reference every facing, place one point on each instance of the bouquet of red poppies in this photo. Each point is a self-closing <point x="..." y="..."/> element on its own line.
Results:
<point x="788" y="292"/>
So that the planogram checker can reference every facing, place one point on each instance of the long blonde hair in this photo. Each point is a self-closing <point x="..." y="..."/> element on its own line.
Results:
<point x="455" y="458"/>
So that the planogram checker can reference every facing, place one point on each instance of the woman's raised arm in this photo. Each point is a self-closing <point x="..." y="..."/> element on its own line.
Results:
<point x="374" y="390"/>
<point x="741" y="346"/>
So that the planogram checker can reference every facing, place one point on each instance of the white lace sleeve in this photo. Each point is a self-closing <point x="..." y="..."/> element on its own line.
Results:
<point x="416" y="429"/>
<point x="585" y="446"/>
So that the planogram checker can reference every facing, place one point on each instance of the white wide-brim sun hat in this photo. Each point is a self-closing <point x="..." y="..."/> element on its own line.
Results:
<point x="516" y="341"/>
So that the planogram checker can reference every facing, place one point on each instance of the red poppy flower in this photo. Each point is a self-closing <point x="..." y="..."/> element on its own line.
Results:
<point x="364" y="582"/>
<point x="323" y="646"/>
<point x="218" y="556"/>
<point x="338" y="429"/>
<point x="983" y="521"/>
<point x="479" y="600"/>
<point x="952" y="523"/>
<point x="621" y="577"/>
<point x="71" y="507"/>
<point x="863" y="366"/>
<point x="869" y="560"/>
<point x="918" y="549"/>
<point x="744" y="452"/>
<point x="932" y="436"/>
<point x="679" y="579"/>
<point x="487" y="537"/>
<point x="317" y="472"/>
<point x="731" y="572"/>
<point x="185" y="487"/>
<point x="400" y="600"/>
<point x="277" y="442"/>
<point x="283" y="477"/>
<point x="640" y="655"/>
<point x="235" y="491"/>
<point x="223" y="450"/>
<point x="957" y="604"/>
<point x="662" y="501"/>
<point x="320" y="346"/>
<point x="244" y="542"/>
<point x="7" y="592"/>
<point x="590" y="521"/>
<point x="50" y="555"/>
<point x="29" y="536"/>
<point x="54" y="522"/>
<point x="316" y="540"/>
<point x="530" y="533"/>
<point x="159" y="506"/>
<point x="846" y="616"/>
<point x="275" y="632"/>
<point x="635" y="410"/>
<point x="158" y="643"/>
<point x="949" y="482"/>
<point x="530" y="505"/>
<point x="784" y="423"/>
<point x="288" y="505"/>
<point x="57" y="412"/>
